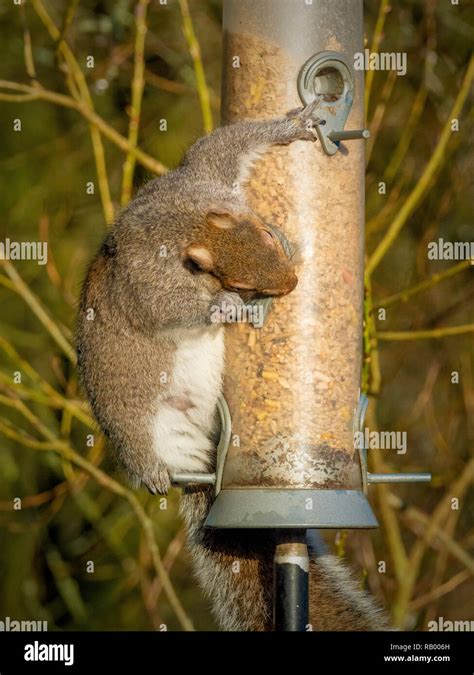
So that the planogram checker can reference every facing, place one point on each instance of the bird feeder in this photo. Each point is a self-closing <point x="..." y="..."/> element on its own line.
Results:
<point x="292" y="386"/>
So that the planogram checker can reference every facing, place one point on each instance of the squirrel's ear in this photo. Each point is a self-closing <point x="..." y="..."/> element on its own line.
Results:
<point x="200" y="256"/>
<point x="222" y="218"/>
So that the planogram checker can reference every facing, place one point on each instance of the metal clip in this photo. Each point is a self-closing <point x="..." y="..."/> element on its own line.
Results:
<point x="327" y="76"/>
<point x="184" y="479"/>
<point x="372" y="478"/>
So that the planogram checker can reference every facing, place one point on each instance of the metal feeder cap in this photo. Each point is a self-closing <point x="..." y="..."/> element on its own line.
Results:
<point x="291" y="508"/>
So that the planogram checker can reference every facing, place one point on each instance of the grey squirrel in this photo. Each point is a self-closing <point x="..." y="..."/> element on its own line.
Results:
<point x="151" y="355"/>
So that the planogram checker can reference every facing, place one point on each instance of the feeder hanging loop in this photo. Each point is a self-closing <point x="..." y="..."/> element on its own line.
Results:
<point x="327" y="77"/>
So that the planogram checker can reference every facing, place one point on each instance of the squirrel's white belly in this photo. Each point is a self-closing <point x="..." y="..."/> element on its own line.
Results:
<point x="185" y="415"/>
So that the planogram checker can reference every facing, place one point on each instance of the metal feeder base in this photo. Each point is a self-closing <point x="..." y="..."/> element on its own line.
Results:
<point x="307" y="509"/>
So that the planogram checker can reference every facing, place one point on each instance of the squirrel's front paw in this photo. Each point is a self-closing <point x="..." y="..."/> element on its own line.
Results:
<point x="157" y="480"/>
<point x="307" y="119"/>
<point x="226" y="307"/>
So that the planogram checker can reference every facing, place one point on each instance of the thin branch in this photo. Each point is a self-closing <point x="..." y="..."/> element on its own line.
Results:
<point x="420" y="189"/>
<point x="408" y="131"/>
<point x="68" y="17"/>
<point x="38" y="310"/>
<point x="195" y="51"/>
<point x="159" y="82"/>
<point x="21" y="437"/>
<point x="377" y="221"/>
<point x="172" y="552"/>
<point x="51" y="400"/>
<point x="438" y="572"/>
<point x="371" y="372"/>
<point x="371" y="381"/>
<point x="419" y="521"/>
<point x="102" y="176"/>
<point x="434" y="333"/>
<point x="109" y="132"/>
<point x="80" y="81"/>
<point x="18" y="98"/>
<point x="403" y="296"/>
<point x="33" y="501"/>
<point x="39" y="93"/>
<point x="27" y="49"/>
<point x="439" y="515"/>
<point x="116" y="488"/>
<point x="146" y="586"/>
<point x="50" y="397"/>
<point x="384" y="8"/>
<point x="165" y="84"/>
<point x="389" y="517"/>
<point x="138" y="84"/>
<point x="439" y="591"/>
<point x="381" y="107"/>
<point x="35" y="421"/>
<point x="51" y="267"/>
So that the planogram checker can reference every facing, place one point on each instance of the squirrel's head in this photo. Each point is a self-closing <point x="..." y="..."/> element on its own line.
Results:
<point x="242" y="252"/>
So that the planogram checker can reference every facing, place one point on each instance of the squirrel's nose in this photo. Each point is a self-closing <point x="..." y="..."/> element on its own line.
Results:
<point x="293" y="280"/>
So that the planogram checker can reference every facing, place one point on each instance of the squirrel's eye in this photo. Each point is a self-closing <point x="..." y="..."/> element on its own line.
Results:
<point x="192" y="266"/>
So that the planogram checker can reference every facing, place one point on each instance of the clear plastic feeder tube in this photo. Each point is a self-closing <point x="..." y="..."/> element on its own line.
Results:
<point x="293" y="385"/>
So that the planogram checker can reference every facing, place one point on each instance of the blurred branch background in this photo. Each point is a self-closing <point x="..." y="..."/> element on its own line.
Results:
<point x="110" y="94"/>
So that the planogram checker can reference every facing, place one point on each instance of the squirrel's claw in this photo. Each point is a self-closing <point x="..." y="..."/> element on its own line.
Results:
<point x="158" y="482"/>
<point x="307" y="119"/>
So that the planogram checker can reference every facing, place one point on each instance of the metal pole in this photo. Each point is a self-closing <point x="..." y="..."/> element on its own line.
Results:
<point x="398" y="478"/>
<point x="291" y="576"/>
<point x="349" y="135"/>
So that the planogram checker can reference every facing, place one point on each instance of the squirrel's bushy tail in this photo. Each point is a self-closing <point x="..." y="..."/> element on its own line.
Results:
<point x="235" y="570"/>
